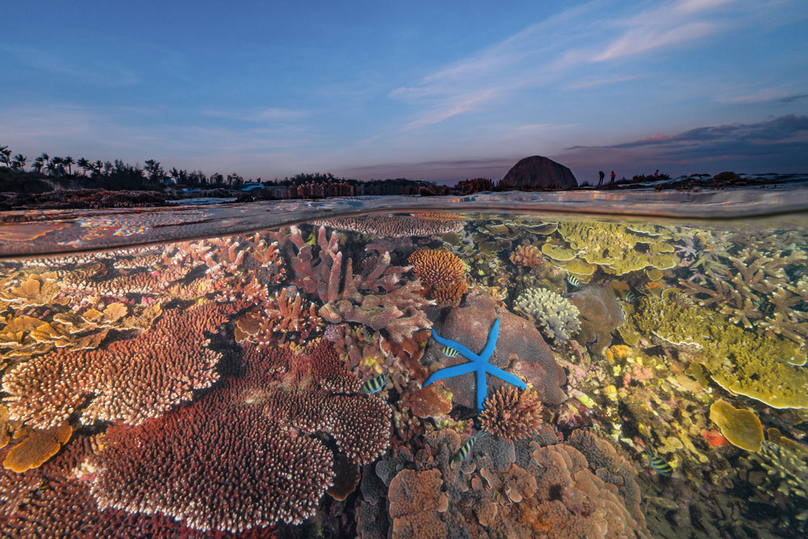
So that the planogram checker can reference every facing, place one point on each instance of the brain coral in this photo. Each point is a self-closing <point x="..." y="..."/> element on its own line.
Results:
<point x="130" y="381"/>
<point x="241" y="456"/>
<point x="555" y="315"/>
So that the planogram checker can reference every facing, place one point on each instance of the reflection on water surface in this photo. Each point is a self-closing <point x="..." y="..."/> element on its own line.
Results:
<point x="279" y="383"/>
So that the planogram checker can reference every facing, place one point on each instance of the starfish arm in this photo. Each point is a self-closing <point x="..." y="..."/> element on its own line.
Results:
<point x="462" y="350"/>
<point x="448" y="372"/>
<point x="482" y="389"/>
<point x="492" y="341"/>
<point x="505" y="376"/>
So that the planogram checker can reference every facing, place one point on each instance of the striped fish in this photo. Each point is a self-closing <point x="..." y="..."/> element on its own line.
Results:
<point x="573" y="280"/>
<point x="375" y="384"/>
<point x="465" y="449"/>
<point x="630" y="297"/>
<point x="449" y="351"/>
<point x="657" y="463"/>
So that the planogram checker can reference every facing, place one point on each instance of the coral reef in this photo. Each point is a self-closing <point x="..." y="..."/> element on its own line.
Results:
<point x="282" y="320"/>
<point x="129" y="381"/>
<point x="248" y="434"/>
<point x="739" y="361"/>
<point x="442" y="273"/>
<point x="512" y="414"/>
<point x="503" y="490"/>
<point x="528" y="256"/>
<point x="600" y="315"/>
<point x="741" y="428"/>
<point x="556" y="316"/>
<point x="397" y="226"/>
<point x="520" y="350"/>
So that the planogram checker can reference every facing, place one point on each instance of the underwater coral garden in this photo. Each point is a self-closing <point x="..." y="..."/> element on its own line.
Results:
<point x="279" y="384"/>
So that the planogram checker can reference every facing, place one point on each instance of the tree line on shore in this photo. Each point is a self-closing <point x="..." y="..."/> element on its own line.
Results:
<point x="19" y="175"/>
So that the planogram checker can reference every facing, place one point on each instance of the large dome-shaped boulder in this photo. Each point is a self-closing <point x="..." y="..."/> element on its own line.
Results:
<point x="538" y="172"/>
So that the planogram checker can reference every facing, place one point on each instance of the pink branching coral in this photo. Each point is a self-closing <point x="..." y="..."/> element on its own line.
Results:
<point x="354" y="298"/>
<point x="130" y="381"/>
<point x="240" y="456"/>
<point x="283" y="319"/>
<point x="512" y="414"/>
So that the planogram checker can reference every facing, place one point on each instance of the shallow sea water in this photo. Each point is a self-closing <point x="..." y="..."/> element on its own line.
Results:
<point x="222" y="386"/>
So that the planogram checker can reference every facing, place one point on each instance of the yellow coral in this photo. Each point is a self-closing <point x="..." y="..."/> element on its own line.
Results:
<point x="741" y="428"/>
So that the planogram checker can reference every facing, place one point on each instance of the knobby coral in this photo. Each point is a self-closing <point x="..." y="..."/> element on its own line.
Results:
<point x="555" y="315"/>
<point x="512" y="414"/>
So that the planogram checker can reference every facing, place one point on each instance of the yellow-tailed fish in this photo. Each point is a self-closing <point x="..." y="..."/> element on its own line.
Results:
<point x="465" y="448"/>
<point x="449" y="351"/>
<point x="574" y="281"/>
<point x="375" y="384"/>
<point x="657" y="463"/>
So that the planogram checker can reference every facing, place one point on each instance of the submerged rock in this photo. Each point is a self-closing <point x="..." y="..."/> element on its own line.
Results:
<point x="520" y="350"/>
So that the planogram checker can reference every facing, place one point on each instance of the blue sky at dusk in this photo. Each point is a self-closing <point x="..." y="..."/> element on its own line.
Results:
<point x="424" y="90"/>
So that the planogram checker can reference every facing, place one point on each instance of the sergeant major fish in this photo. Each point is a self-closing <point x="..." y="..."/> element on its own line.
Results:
<point x="449" y="351"/>
<point x="657" y="463"/>
<point x="573" y="280"/>
<point x="375" y="384"/>
<point x="465" y="448"/>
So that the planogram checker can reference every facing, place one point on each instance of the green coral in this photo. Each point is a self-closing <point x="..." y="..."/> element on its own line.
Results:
<point x="614" y="247"/>
<point x="557" y="316"/>
<point x="740" y="361"/>
<point x="786" y="479"/>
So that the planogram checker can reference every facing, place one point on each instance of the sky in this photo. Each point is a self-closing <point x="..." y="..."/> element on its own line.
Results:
<point x="424" y="90"/>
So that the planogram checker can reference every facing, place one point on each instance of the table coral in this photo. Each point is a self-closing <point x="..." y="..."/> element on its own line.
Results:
<point x="615" y="247"/>
<point x="397" y="226"/>
<point x="129" y="381"/>
<point x="740" y="361"/>
<point x="250" y="436"/>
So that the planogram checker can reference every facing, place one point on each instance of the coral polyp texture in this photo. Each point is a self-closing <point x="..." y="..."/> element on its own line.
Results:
<point x="526" y="255"/>
<point x="556" y="316"/>
<point x="242" y="456"/>
<point x="397" y="226"/>
<point x="512" y="414"/>
<point x="130" y="381"/>
<point x="441" y="271"/>
<point x="283" y="319"/>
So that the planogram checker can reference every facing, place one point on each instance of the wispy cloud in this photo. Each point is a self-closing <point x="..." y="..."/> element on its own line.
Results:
<point x="758" y="96"/>
<point x="543" y="54"/>
<point x="93" y="73"/>
<point x="792" y="98"/>
<point x="271" y="114"/>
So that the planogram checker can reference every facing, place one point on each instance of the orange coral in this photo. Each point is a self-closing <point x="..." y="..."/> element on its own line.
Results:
<point x="527" y="255"/>
<point x="431" y="401"/>
<point x="283" y="319"/>
<point x="37" y="447"/>
<point x="512" y="414"/>
<point x="443" y="272"/>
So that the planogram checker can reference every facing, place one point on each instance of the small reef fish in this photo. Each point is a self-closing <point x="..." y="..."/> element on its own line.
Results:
<point x="465" y="448"/>
<point x="657" y="463"/>
<point x="574" y="281"/>
<point x="449" y="351"/>
<point x="375" y="384"/>
<point x="630" y="297"/>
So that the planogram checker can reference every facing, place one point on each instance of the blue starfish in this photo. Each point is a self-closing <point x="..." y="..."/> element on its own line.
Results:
<point x="477" y="363"/>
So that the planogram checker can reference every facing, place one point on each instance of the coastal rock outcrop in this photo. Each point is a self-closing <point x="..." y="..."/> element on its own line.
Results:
<point x="537" y="172"/>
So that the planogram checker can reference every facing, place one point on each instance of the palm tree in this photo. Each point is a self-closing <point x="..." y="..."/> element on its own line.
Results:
<point x="84" y="164"/>
<point x="97" y="166"/>
<point x="55" y="166"/>
<point x="19" y="162"/>
<point x="5" y="154"/>
<point x="69" y="162"/>
<point x="38" y="164"/>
